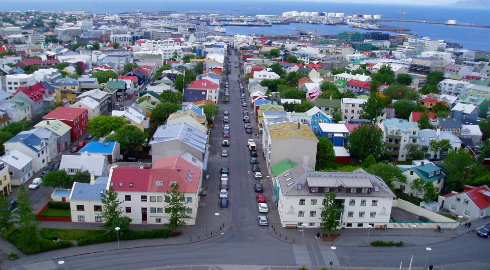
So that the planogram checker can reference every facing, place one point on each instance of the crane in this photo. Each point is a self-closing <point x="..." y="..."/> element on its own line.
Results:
<point x="403" y="12"/>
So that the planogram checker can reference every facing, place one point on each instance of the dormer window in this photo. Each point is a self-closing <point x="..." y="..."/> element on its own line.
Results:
<point x="458" y="199"/>
<point x="438" y="172"/>
<point x="120" y="184"/>
<point x="431" y="174"/>
<point x="313" y="189"/>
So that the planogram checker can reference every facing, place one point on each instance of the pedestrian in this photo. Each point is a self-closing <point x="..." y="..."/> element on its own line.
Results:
<point x="469" y="224"/>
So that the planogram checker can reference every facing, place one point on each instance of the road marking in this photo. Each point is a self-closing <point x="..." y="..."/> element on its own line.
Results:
<point x="301" y="255"/>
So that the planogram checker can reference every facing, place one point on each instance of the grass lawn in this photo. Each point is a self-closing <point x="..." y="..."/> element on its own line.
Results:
<point x="343" y="167"/>
<point x="51" y="212"/>
<point x="68" y="234"/>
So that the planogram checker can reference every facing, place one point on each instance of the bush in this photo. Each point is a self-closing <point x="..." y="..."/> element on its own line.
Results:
<point x="41" y="244"/>
<point x="12" y="256"/>
<point x="50" y="212"/>
<point x="59" y="205"/>
<point x="129" y="235"/>
<point x="379" y="243"/>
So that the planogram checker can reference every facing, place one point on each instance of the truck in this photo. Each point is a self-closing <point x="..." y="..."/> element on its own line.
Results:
<point x="37" y="182"/>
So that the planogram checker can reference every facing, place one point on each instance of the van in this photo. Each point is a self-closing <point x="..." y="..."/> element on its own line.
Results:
<point x="226" y="119"/>
<point x="252" y="146"/>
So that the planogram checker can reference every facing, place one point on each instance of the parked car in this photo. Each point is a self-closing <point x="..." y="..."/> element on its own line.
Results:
<point x="226" y="127"/>
<point x="258" y="175"/>
<point x="81" y="143"/>
<point x="223" y="194"/>
<point x="226" y="134"/>
<point x="224" y="184"/>
<point x="255" y="168"/>
<point x="37" y="182"/>
<point x="244" y="104"/>
<point x="74" y="149"/>
<point x="262" y="220"/>
<point x="224" y="177"/>
<point x="245" y="113"/>
<point x="223" y="202"/>
<point x="484" y="232"/>
<point x="226" y="113"/>
<point x="55" y="166"/>
<point x="253" y="153"/>
<point x="226" y="119"/>
<point x="260" y="198"/>
<point x="254" y="160"/>
<point x="226" y="143"/>
<point x="224" y="153"/>
<point x="224" y="170"/>
<point x="258" y="188"/>
<point x="248" y="130"/>
<point x="246" y="119"/>
<point x="248" y="125"/>
<point x="263" y="208"/>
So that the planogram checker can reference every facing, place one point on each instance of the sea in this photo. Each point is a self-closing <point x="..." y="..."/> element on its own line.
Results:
<point x="469" y="37"/>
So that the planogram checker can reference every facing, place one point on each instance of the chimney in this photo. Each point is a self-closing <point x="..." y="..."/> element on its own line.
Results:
<point x="47" y="122"/>
<point x="422" y="163"/>
<point x="92" y="179"/>
<point x="178" y="169"/>
<point x="299" y="125"/>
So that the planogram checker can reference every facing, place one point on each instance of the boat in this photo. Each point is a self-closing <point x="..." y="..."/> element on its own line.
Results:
<point x="220" y="28"/>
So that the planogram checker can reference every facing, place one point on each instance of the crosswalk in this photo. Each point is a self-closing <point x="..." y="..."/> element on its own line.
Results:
<point x="314" y="255"/>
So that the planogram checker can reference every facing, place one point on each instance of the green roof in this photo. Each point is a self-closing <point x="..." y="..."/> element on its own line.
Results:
<point x="325" y="102"/>
<point x="282" y="167"/>
<point x="116" y="84"/>
<point x="478" y="82"/>
<point x="340" y="83"/>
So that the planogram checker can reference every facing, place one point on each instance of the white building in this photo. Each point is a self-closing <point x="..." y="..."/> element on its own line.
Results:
<point x="351" y="108"/>
<point x="92" y="106"/>
<point x="454" y="87"/>
<point x="398" y="133"/>
<point x="473" y="203"/>
<point x="14" y="81"/>
<point x="20" y="167"/>
<point x="96" y="165"/>
<point x="123" y="39"/>
<point x="264" y="74"/>
<point x="86" y="200"/>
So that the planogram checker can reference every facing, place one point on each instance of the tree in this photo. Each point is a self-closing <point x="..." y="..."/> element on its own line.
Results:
<point x="373" y="107"/>
<point x="417" y="187"/>
<point x="478" y="175"/>
<point x="424" y="122"/>
<point x="366" y="140"/>
<point x="292" y="59"/>
<point x="324" y="152"/>
<point x="115" y="45"/>
<point x="404" y="79"/>
<point x="199" y="68"/>
<point x="273" y="85"/>
<point x="440" y="148"/>
<point x="387" y="172"/>
<point x="384" y="75"/>
<point x="78" y="70"/>
<point x="128" y="137"/>
<point x="179" y="82"/>
<point x="176" y="208"/>
<point x="81" y="177"/>
<point x="6" y="217"/>
<point x="102" y="125"/>
<point x="430" y="192"/>
<point x="293" y="77"/>
<point x="274" y="52"/>
<point x="128" y="68"/>
<point x="330" y="214"/>
<point x="441" y="108"/>
<point x="485" y="128"/>
<point x="337" y="115"/>
<point x="104" y="76"/>
<point x="484" y="150"/>
<point x="26" y="221"/>
<point x="96" y="46"/>
<point x="163" y="110"/>
<point x="276" y="67"/>
<point x="171" y="96"/>
<point x="416" y="152"/>
<point x="292" y="93"/>
<point x="370" y="160"/>
<point x="187" y="58"/>
<point x="303" y="106"/>
<point x="159" y="71"/>
<point x="429" y="88"/>
<point x="210" y="111"/>
<point x="111" y="210"/>
<point x="403" y="108"/>
<point x="61" y="66"/>
<point x="330" y="90"/>
<point x="456" y="164"/>
<point x="57" y="179"/>
<point x="434" y="77"/>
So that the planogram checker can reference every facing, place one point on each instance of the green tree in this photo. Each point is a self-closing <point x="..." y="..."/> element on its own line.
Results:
<point x="57" y="179"/>
<point x="330" y="214"/>
<point x="324" y="153"/>
<point x="430" y="192"/>
<point x="159" y="71"/>
<point x="79" y="70"/>
<point x="176" y="208"/>
<point x="210" y="111"/>
<point x="330" y="90"/>
<point x="404" y="79"/>
<point x="484" y="150"/>
<point x="337" y="115"/>
<point x="179" y="82"/>
<point x="303" y="106"/>
<point x="276" y="67"/>
<point x="6" y="217"/>
<point x="163" y="110"/>
<point x="199" y="68"/>
<point x="418" y="187"/>
<point x="403" y="108"/>
<point x="388" y="173"/>
<point x="293" y="77"/>
<point x="366" y="140"/>
<point x="292" y="59"/>
<point x="96" y="46"/>
<point x="435" y="77"/>
<point x="370" y="160"/>
<point x="429" y="88"/>
<point x="456" y="164"/>
<point x="104" y="76"/>
<point x="424" y="122"/>
<point x="477" y="175"/>
<point x="440" y="109"/>
<point x="31" y="69"/>
<point x="102" y="125"/>
<point x="81" y="177"/>
<point x="171" y="96"/>
<point x="384" y="75"/>
<point x="440" y="148"/>
<point x="128" y="68"/>
<point x="26" y="221"/>
<point x="485" y="128"/>
<point x="128" y="137"/>
<point x="373" y="107"/>
<point x="274" y="52"/>
<point x="273" y="85"/>
<point x="416" y="152"/>
<point x="111" y="210"/>
<point x="61" y="66"/>
<point x="336" y="71"/>
<point x="292" y="92"/>
<point x="187" y="58"/>
<point x="115" y="45"/>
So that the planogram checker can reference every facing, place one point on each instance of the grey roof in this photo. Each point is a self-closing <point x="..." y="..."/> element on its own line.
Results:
<point x="274" y="113"/>
<point x="182" y="132"/>
<point x="325" y="102"/>
<point x="93" y="164"/>
<point x="16" y="159"/>
<point x="448" y="122"/>
<point x="428" y="135"/>
<point x="88" y="192"/>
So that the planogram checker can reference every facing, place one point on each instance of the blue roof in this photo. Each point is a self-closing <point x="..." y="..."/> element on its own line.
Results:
<point x="99" y="147"/>
<point x="88" y="192"/>
<point x="30" y="140"/>
<point x="261" y="102"/>
<point x="193" y="107"/>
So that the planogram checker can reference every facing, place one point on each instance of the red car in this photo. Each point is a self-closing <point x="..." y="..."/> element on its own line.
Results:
<point x="260" y="198"/>
<point x="81" y="144"/>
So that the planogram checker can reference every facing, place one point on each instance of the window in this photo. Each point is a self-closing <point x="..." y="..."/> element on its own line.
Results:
<point x="81" y="218"/>
<point x="353" y="190"/>
<point x="97" y="208"/>
<point x="360" y="225"/>
<point x="458" y="199"/>
<point x="374" y="203"/>
<point x="311" y="224"/>
<point x="159" y="210"/>
<point x="158" y="220"/>
<point x="453" y="207"/>
<point x="352" y="202"/>
<point x="313" y="201"/>
<point x="153" y="199"/>
<point x="189" y="199"/>
<point x="364" y="190"/>
<point x="301" y="213"/>
<point x="144" y="198"/>
<point x="466" y="201"/>
<point x="80" y="207"/>
<point x="189" y="211"/>
<point x="128" y="209"/>
<point x="314" y="189"/>
<point x="302" y="201"/>
<point x="159" y="183"/>
<point x="312" y="213"/>
<point x="153" y="210"/>
<point x="350" y="214"/>
<point x="348" y="225"/>
<point x="300" y="224"/>
<point x="127" y="198"/>
<point x="372" y="214"/>
<point x="363" y="202"/>
<point x="361" y="214"/>
<point x="98" y="219"/>
<point x="411" y="172"/>
<point x="467" y="212"/>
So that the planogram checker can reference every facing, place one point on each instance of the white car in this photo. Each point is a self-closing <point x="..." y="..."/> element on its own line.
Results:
<point x="262" y="220"/>
<point x="37" y="182"/>
<point x="250" y="141"/>
<point x="224" y="177"/>
<point x="258" y="175"/>
<point x="226" y="127"/>
<point x="263" y="208"/>
<point x="223" y="194"/>
<point x="224" y="153"/>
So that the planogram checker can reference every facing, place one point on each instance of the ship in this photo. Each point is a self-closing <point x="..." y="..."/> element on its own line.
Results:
<point x="220" y="28"/>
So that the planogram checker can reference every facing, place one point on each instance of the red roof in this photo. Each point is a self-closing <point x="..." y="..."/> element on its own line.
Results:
<point x="371" y="65"/>
<point x="103" y="67"/>
<point x="3" y="49"/>
<point x="132" y="78"/>
<point x="479" y="195"/>
<point x="314" y="66"/>
<point x="142" y="71"/>
<point x="130" y="179"/>
<point x="428" y="100"/>
<point x="203" y="84"/>
<point x="169" y="62"/>
<point x="35" y="92"/>
<point x="147" y="67"/>
<point x="30" y="62"/>
<point x="304" y="80"/>
<point x="141" y="41"/>
<point x="361" y="84"/>
<point x="351" y="127"/>
<point x="65" y="113"/>
<point x="175" y="169"/>
<point x="469" y="77"/>
<point x="177" y="39"/>
<point x="416" y="116"/>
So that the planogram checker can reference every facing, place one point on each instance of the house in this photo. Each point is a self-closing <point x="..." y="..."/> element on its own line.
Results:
<point x="61" y="130"/>
<point x="341" y="154"/>
<point x="473" y="203"/>
<point x="358" y="87"/>
<point x="133" y="117"/>
<point x="472" y="132"/>
<point x="289" y="140"/>
<point x="398" y="133"/>
<point x="39" y="95"/>
<point x="481" y="103"/>
<point x="91" y="105"/>
<point x="351" y="108"/>
<point x="86" y="200"/>
<point x="94" y="164"/>
<point x="415" y="116"/>
<point x="5" y="184"/>
<point x="266" y="107"/>
<point x="462" y="111"/>
<point x="329" y="106"/>
<point x="110" y="150"/>
<point x="76" y="118"/>
<point x="449" y="124"/>
<point x="365" y="199"/>
<point x="176" y="139"/>
<point x="428" y="135"/>
<point x="426" y="170"/>
<point x="265" y="75"/>
<point x="66" y="90"/>
<point x="310" y="72"/>
<point x="50" y="137"/>
<point x="317" y="117"/>
<point x="23" y="106"/>
<point x="312" y="90"/>
<point x="19" y="166"/>
<point x="201" y="89"/>
<point x="32" y="146"/>
<point x="336" y="133"/>
<point x="428" y="103"/>
<point x="189" y="117"/>
<point x="142" y="191"/>
<point x="256" y="103"/>
<point x="119" y="87"/>
<point x="14" y="81"/>
<point x="148" y="101"/>
<point x="105" y="99"/>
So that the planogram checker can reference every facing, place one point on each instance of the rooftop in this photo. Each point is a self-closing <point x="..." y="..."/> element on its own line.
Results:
<point x="289" y="129"/>
<point x="65" y="113"/>
<point x="99" y="147"/>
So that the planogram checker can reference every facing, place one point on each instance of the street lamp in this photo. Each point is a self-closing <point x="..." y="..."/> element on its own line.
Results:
<point x="117" y="233"/>
<point x="369" y="229"/>
<point x="413" y="226"/>
<point x="427" y="255"/>
<point x="217" y="215"/>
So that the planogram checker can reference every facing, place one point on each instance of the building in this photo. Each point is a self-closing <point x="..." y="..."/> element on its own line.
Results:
<point x="15" y="81"/>
<point x="472" y="132"/>
<point x="110" y="150"/>
<point x="398" y="133"/>
<point x="66" y="90"/>
<point x="351" y="108"/>
<point x="289" y="140"/>
<point x="318" y="116"/>
<point x="201" y="89"/>
<point x="365" y="199"/>
<point x="454" y="87"/>
<point x="94" y="164"/>
<point x="32" y="146"/>
<point x="105" y="99"/>
<point x="5" y="185"/>
<point x="426" y="170"/>
<point x="473" y="203"/>
<point x="86" y="200"/>
<point x="336" y="133"/>
<point x="426" y="136"/>
<point x="329" y="106"/>
<point x="462" y="111"/>
<point x="75" y="118"/>
<point x="428" y="103"/>
<point x="133" y="117"/>
<point x="415" y="116"/>
<point x="19" y="166"/>
<point x="358" y="87"/>
<point x="449" y="124"/>
<point x="91" y="105"/>
<point x="189" y="117"/>
<point x="61" y="130"/>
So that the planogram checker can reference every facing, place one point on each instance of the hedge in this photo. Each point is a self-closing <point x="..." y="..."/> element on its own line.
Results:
<point x="129" y="235"/>
<point x="41" y="244"/>
<point x="59" y="205"/>
<point x="380" y="243"/>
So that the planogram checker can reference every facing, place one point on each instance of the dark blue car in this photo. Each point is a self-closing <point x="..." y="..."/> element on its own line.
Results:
<point x="223" y="202"/>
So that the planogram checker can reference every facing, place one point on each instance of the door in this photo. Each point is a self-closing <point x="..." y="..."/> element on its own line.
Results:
<point x="144" y="216"/>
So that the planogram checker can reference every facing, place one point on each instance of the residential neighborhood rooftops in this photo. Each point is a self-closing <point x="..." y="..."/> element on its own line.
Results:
<point x="182" y="132"/>
<point x="130" y="179"/>
<point x="465" y="108"/>
<point x="203" y="84"/>
<point x="479" y="195"/>
<point x="174" y="170"/>
<point x="401" y="124"/>
<point x="92" y="164"/>
<point x="335" y="128"/>
<point x="88" y="191"/>
<point x="289" y="129"/>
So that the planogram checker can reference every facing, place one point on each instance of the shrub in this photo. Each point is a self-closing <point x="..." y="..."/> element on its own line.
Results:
<point x="41" y="244"/>
<point x="59" y="205"/>
<point x="12" y="255"/>
<point x="129" y="235"/>
<point x="379" y="243"/>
